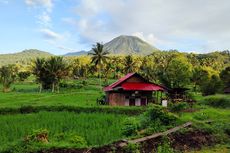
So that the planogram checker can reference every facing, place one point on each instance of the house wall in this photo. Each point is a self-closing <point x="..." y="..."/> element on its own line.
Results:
<point x="116" y="99"/>
<point x="122" y="98"/>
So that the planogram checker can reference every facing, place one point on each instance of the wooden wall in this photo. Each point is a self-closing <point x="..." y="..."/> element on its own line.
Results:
<point x="116" y="99"/>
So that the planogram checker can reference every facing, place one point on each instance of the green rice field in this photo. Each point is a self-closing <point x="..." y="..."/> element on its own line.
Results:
<point x="95" y="128"/>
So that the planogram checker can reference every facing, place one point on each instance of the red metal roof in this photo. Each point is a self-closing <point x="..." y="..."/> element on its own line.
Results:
<point x="145" y="86"/>
<point x="110" y="87"/>
<point x="141" y="86"/>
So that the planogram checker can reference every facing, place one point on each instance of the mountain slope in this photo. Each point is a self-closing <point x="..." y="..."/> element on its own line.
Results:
<point x="129" y="45"/>
<point x="123" y="45"/>
<point x="76" y="53"/>
<point x="22" y="57"/>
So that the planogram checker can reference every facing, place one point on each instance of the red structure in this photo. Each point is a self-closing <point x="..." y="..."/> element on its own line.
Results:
<point x="131" y="90"/>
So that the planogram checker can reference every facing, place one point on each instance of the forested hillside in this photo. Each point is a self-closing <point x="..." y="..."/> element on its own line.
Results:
<point x="23" y="57"/>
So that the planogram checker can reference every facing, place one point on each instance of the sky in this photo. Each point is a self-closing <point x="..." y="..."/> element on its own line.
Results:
<point x="61" y="26"/>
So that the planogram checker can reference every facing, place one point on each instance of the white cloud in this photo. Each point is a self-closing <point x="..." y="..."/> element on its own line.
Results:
<point x="150" y="38"/>
<point x="67" y="49"/>
<point x="44" y="19"/>
<point x="180" y="24"/>
<point x="51" y="35"/>
<point x="47" y="4"/>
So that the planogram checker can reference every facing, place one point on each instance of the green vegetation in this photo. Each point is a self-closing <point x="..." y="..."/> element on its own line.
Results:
<point x="31" y="120"/>
<point x="218" y="101"/>
<point x="50" y="72"/>
<point x="95" y="128"/>
<point x="7" y="76"/>
<point x="23" y="57"/>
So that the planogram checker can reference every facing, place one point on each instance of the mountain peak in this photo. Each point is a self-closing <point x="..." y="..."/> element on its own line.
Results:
<point x="125" y="44"/>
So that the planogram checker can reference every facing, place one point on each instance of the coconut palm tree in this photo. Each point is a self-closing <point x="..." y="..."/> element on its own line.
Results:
<point x="99" y="57"/>
<point x="38" y="69"/>
<point x="57" y="69"/>
<point x="130" y="64"/>
<point x="7" y="76"/>
<point x="49" y="72"/>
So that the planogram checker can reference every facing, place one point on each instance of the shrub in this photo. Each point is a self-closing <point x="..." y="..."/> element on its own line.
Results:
<point x="77" y="109"/>
<point x="131" y="125"/>
<point x="219" y="101"/>
<point x="40" y="135"/>
<point x="159" y="113"/>
<point x="23" y="75"/>
<point x="178" y="107"/>
<point x="27" y="109"/>
<point x="84" y="83"/>
<point x="132" y="148"/>
<point x="165" y="147"/>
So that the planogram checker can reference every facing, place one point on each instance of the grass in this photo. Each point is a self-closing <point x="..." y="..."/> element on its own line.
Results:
<point x="26" y="93"/>
<point x="95" y="128"/>
<point x="215" y="149"/>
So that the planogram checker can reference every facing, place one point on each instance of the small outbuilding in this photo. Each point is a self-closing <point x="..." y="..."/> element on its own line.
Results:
<point x="227" y="90"/>
<point x="131" y="90"/>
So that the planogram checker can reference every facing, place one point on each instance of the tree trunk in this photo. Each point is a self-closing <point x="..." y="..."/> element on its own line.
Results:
<point x="53" y="86"/>
<point x="40" y="88"/>
<point x="58" y="88"/>
<point x="6" y="89"/>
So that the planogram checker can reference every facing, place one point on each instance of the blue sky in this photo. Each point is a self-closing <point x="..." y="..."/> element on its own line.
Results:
<point x="61" y="26"/>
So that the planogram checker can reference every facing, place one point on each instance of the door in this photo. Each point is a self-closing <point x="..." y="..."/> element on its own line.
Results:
<point x="143" y="101"/>
<point x="131" y="102"/>
<point x="137" y="102"/>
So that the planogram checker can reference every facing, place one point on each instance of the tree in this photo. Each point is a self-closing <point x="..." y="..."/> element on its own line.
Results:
<point x="38" y="69"/>
<point x="211" y="86"/>
<point x="130" y="64"/>
<point x="225" y="76"/>
<point x="49" y="72"/>
<point x="178" y="73"/>
<point x="199" y="76"/>
<point x="7" y="76"/>
<point x="57" y="69"/>
<point x="98" y="57"/>
<point x="23" y="75"/>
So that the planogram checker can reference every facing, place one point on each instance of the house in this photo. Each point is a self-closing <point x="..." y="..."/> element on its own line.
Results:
<point x="227" y="90"/>
<point x="178" y="94"/>
<point x="131" y="90"/>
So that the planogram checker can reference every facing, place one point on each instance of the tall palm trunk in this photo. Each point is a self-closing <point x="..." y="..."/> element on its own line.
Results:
<point x="53" y="87"/>
<point x="100" y="75"/>
<point x="40" y="88"/>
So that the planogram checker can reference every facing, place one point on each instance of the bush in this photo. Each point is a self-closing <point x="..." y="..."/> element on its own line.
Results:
<point x="165" y="147"/>
<point x="220" y="101"/>
<point x="132" y="148"/>
<point x="40" y="135"/>
<point x="158" y="113"/>
<point x="23" y="75"/>
<point x="131" y="125"/>
<point x="178" y="107"/>
<point x="77" y="109"/>
<point x="84" y="83"/>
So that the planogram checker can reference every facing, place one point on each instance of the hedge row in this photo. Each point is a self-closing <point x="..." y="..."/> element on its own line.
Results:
<point x="219" y="101"/>
<point x="77" y="109"/>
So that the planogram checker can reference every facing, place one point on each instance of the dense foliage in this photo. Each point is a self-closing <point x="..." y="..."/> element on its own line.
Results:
<point x="49" y="72"/>
<point x="207" y="73"/>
